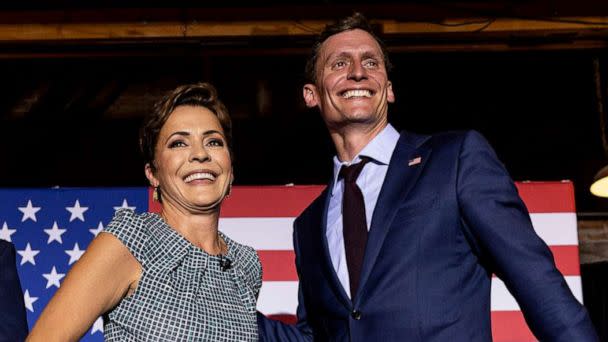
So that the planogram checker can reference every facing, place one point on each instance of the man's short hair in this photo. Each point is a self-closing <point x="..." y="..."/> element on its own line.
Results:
<point x="352" y="22"/>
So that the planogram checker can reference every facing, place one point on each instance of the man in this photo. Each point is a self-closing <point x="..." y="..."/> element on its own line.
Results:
<point x="13" y="323"/>
<point x="440" y="216"/>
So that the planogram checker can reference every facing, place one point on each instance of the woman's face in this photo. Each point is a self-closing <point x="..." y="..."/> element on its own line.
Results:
<point x="192" y="160"/>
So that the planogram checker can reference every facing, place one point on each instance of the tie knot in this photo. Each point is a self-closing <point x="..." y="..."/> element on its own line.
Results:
<point x="351" y="173"/>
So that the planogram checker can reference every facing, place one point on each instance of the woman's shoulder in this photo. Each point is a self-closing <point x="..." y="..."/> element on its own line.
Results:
<point x="132" y="229"/>
<point x="128" y="221"/>
<point x="246" y="256"/>
<point x="239" y="249"/>
<point x="247" y="261"/>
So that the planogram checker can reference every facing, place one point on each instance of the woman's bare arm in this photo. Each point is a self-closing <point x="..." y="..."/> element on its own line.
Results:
<point x="95" y="284"/>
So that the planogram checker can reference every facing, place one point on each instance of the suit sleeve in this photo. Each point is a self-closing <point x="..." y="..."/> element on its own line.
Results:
<point x="272" y="330"/>
<point x="498" y="220"/>
<point x="13" y="322"/>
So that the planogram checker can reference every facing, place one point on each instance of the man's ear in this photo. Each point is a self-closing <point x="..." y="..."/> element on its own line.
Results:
<point x="311" y="97"/>
<point x="150" y="175"/>
<point x="390" y="95"/>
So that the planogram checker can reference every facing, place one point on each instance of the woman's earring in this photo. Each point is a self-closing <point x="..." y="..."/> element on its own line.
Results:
<point x="156" y="194"/>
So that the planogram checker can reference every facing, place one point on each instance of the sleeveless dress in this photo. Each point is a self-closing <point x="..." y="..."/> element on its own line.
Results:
<point x="184" y="294"/>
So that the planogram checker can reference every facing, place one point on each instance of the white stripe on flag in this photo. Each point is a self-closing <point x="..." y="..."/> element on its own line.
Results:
<point x="261" y="233"/>
<point x="281" y="297"/>
<point x="278" y="297"/>
<point x="556" y="229"/>
<point x="502" y="300"/>
<point x="271" y="233"/>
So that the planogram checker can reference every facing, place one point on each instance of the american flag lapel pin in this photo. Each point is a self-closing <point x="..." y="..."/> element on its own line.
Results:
<point x="414" y="161"/>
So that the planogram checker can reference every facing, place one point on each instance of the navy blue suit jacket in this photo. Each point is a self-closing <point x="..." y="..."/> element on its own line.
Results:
<point x="439" y="230"/>
<point x="13" y="323"/>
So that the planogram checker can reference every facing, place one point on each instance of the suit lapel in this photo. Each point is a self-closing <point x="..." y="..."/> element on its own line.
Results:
<point x="405" y="167"/>
<point x="318" y="221"/>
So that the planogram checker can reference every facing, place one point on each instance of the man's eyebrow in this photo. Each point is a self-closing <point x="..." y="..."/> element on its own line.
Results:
<point x="332" y="56"/>
<point x="371" y="54"/>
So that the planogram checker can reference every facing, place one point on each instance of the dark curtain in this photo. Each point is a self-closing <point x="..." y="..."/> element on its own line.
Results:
<point x="595" y="294"/>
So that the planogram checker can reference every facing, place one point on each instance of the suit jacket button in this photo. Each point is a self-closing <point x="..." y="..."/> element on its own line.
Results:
<point x="356" y="314"/>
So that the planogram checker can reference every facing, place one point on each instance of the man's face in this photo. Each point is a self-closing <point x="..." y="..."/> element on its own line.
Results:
<point x="352" y="84"/>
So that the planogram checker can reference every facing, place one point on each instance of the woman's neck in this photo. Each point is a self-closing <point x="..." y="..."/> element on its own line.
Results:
<point x="200" y="229"/>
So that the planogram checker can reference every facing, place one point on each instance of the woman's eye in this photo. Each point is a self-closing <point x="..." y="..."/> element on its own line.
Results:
<point x="215" y="142"/>
<point x="177" y="143"/>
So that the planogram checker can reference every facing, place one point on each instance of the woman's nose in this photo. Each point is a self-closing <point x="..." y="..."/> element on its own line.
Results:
<point x="199" y="153"/>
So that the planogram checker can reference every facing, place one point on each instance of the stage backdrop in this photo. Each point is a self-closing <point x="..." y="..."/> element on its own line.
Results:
<point x="51" y="228"/>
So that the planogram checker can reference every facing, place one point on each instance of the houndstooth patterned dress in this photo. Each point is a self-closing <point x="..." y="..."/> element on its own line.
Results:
<point x="183" y="294"/>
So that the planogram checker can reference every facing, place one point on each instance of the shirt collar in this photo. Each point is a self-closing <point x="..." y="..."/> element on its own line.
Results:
<point x="379" y="150"/>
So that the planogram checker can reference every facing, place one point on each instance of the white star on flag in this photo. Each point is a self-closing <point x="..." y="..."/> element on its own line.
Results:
<point x="77" y="212"/>
<point x="29" y="301"/>
<point x="55" y="233"/>
<point x="6" y="232"/>
<point x="29" y="211"/>
<point x="28" y="254"/>
<point x="124" y="205"/>
<point x="97" y="230"/>
<point x="53" y="278"/>
<point x="75" y="253"/>
<point x="97" y="326"/>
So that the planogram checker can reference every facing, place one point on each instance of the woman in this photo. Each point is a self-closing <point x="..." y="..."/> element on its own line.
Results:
<point x="173" y="276"/>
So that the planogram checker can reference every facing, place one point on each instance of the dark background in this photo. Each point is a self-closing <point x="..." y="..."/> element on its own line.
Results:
<point x="74" y="122"/>
<point x="70" y="110"/>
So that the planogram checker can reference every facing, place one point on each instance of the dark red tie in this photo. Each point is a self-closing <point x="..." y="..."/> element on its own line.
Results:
<point x="353" y="223"/>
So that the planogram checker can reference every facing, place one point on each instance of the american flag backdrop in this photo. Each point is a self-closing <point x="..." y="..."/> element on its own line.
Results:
<point x="51" y="228"/>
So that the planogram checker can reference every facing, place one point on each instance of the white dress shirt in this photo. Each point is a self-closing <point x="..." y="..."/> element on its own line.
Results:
<point x="379" y="150"/>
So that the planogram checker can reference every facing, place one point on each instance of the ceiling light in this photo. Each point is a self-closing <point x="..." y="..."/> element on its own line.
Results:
<point x="600" y="183"/>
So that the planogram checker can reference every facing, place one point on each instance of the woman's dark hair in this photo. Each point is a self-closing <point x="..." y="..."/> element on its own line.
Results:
<point x="198" y="95"/>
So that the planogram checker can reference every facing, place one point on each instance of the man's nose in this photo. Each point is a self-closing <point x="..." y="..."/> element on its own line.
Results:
<point x="357" y="72"/>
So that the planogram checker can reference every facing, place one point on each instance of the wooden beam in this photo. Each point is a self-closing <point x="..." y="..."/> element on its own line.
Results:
<point x="498" y="25"/>
<point x="597" y="26"/>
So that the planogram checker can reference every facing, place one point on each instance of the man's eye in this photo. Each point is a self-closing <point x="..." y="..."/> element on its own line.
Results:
<point x="371" y="63"/>
<point x="177" y="143"/>
<point x="339" y="64"/>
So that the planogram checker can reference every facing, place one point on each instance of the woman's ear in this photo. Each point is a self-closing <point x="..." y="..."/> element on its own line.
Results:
<point x="149" y="170"/>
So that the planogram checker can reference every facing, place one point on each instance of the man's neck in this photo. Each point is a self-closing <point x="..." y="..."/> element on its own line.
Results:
<point x="351" y="139"/>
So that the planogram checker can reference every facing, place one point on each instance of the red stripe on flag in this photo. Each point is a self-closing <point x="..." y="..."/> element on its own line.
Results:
<point x="510" y="326"/>
<point x="290" y="201"/>
<point x="261" y="201"/>
<point x="288" y="319"/>
<point x="278" y="265"/>
<point x="269" y="201"/>
<point x="507" y="326"/>
<point x="566" y="259"/>
<point x="547" y="197"/>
